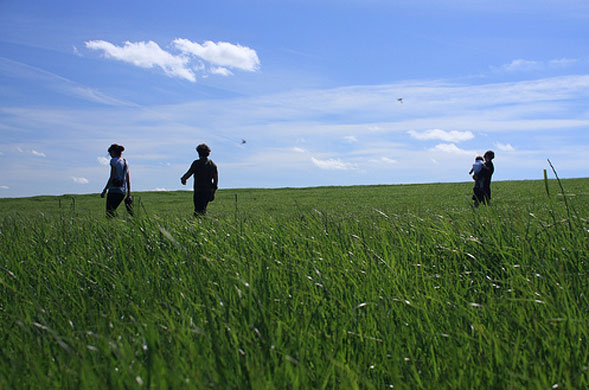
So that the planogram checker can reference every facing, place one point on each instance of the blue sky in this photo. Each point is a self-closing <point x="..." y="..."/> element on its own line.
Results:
<point x="324" y="92"/>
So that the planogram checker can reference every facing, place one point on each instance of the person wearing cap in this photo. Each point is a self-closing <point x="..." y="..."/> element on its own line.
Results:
<point x="206" y="179"/>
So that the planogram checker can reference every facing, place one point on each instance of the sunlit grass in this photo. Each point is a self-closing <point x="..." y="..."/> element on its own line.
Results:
<point x="399" y="287"/>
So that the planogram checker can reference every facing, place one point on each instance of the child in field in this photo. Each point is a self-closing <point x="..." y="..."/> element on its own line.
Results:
<point x="476" y="167"/>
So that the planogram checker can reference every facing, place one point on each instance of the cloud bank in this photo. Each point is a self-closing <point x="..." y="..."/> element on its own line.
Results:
<point x="193" y="57"/>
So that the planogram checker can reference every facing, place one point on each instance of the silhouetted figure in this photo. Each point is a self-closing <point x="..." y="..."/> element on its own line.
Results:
<point x="206" y="179"/>
<point x="482" y="184"/>
<point x="119" y="183"/>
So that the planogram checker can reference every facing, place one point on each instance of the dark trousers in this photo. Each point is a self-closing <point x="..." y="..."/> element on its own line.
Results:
<point x="113" y="200"/>
<point x="201" y="199"/>
<point x="481" y="195"/>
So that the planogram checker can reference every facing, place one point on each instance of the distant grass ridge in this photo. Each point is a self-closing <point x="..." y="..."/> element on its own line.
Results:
<point x="402" y="287"/>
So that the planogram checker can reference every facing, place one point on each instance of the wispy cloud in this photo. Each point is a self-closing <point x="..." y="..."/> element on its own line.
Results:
<point x="505" y="147"/>
<point x="350" y="139"/>
<point x="221" y="71"/>
<point x="102" y="160"/>
<point x="4" y="188"/>
<point x="388" y="160"/>
<point x="80" y="180"/>
<point x="523" y="65"/>
<point x="38" y="154"/>
<point x="145" y="55"/>
<point x="450" y="149"/>
<point x="58" y="83"/>
<point x="448" y="136"/>
<point x="333" y="164"/>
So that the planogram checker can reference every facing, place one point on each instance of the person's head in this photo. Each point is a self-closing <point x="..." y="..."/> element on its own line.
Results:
<point x="116" y="150"/>
<point x="203" y="150"/>
<point x="489" y="155"/>
<point x="478" y="158"/>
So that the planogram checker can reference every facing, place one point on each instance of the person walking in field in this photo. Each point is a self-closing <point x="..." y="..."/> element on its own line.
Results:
<point x="119" y="182"/>
<point x="206" y="179"/>
<point x="482" y="186"/>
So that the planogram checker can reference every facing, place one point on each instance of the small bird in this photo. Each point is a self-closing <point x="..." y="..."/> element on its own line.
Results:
<point x="243" y="141"/>
<point x="400" y="100"/>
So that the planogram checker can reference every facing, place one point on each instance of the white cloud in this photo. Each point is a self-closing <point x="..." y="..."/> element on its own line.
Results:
<point x="160" y="189"/>
<point x="298" y="150"/>
<point x="4" y="188"/>
<point x="146" y="55"/>
<point x="38" y="154"/>
<point x="521" y="65"/>
<point x="221" y="71"/>
<point x="333" y="164"/>
<point x="448" y="136"/>
<point x="561" y="62"/>
<point x="19" y="149"/>
<point x="505" y="147"/>
<point x="222" y="54"/>
<point x="80" y="180"/>
<point x="388" y="160"/>
<point x="449" y="148"/>
<point x="102" y="160"/>
<point x="350" y="139"/>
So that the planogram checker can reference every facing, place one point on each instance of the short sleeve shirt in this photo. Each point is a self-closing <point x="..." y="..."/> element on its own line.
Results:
<point x="204" y="171"/>
<point x="119" y="176"/>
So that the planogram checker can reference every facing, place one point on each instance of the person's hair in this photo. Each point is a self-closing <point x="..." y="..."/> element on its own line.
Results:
<point x="203" y="150"/>
<point x="478" y="158"/>
<point x="490" y="154"/>
<point x="116" y="149"/>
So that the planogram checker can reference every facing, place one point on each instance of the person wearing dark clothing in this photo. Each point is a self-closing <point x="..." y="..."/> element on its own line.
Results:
<point x="206" y="179"/>
<point x="482" y="184"/>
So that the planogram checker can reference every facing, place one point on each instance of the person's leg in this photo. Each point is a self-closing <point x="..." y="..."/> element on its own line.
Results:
<point x="477" y="196"/>
<point x="113" y="200"/>
<point x="129" y="206"/>
<point x="201" y="199"/>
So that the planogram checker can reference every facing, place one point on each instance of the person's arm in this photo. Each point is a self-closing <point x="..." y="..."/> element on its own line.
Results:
<point x="186" y="175"/>
<point x="215" y="180"/>
<point x="106" y="187"/>
<point x="128" y="184"/>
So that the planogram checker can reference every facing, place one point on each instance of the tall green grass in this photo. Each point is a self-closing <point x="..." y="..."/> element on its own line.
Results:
<point x="402" y="287"/>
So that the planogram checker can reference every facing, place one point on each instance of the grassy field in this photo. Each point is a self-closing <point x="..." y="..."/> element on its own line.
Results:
<point x="372" y="287"/>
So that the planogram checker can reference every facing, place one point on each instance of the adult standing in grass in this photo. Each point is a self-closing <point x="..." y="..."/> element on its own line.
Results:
<point x="482" y="186"/>
<point x="206" y="179"/>
<point x="119" y="182"/>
